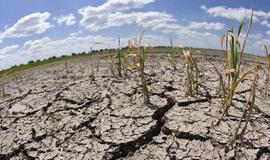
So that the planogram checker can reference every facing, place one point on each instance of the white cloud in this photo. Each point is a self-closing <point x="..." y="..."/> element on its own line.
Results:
<point x="203" y="7"/>
<point x="265" y="23"/>
<point x="112" y="6"/>
<point x="33" y="44"/>
<point x="162" y="22"/>
<point x="74" y="34"/>
<point x="68" y="20"/>
<point x="205" y="25"/>
<point x="268" y="33"/>
<point x="153" y="40"/>
<point x="147" y="19"/>
<point x="97" y="18"/>
<point x="35" y="23"/>
<point x="234" y="13"/>
<point x="9" y="50"/>
<point x="109" y="15"/>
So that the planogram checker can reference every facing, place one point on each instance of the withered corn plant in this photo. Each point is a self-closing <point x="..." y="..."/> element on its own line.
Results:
<point x="132" y="56"/>
<point x="125" y="64"/>
<point x="267" y="72"/>
<point x="127" y="57"/>
<point x="192" y="72"/>
<point x="238" y="135"/>
<point x="141" y="55"/>
<point x="136" y="59"/>
<point x="234" y="57"/>
<point x="234" y="50"/>
<point x="230" y="93"/>
<point x="119" y="58"/>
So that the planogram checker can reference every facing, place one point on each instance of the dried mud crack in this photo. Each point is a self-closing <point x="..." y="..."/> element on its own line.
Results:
<point x="50" y="115"/>
<point x="127" y="148"/>
<point x="261" y="152"/>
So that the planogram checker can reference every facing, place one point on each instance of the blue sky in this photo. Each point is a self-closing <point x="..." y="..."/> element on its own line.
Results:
<point x="38" y="29"/>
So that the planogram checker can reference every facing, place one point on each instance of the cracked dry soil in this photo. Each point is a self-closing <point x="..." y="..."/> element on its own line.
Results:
<point x="48" y="115"/>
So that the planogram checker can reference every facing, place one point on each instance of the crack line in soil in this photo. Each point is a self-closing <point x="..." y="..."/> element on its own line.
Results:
<point x="262" y="150"/>
<point x="124" y="149"/>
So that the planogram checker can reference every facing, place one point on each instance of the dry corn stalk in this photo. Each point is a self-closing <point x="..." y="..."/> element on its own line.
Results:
<point x="267" y="72"/>
<point x="135" y="59"/>
<point x="141" y="55"/>
<point x="131" y="59"/>
<point x="192" y="72"/>
<point x="119" y="57"/>
<point x="248" y="109"/>
<point x="234" y="51"/>
<point x="229" y="97"/>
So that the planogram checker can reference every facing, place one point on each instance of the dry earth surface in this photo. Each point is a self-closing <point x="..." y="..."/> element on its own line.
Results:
<point x="50" y="115"/>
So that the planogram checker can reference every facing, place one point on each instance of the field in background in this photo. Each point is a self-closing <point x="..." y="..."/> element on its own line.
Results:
<point x="109" y="52"/>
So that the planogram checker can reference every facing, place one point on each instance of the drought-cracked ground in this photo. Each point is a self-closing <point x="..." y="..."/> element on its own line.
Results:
<point x="50" y="115"/>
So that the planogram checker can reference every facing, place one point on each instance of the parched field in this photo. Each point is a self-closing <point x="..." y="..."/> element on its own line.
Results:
<point x="48" y="114"/>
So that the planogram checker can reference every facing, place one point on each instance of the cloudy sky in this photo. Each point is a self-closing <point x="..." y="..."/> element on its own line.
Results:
<point x="38" y="29"/>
